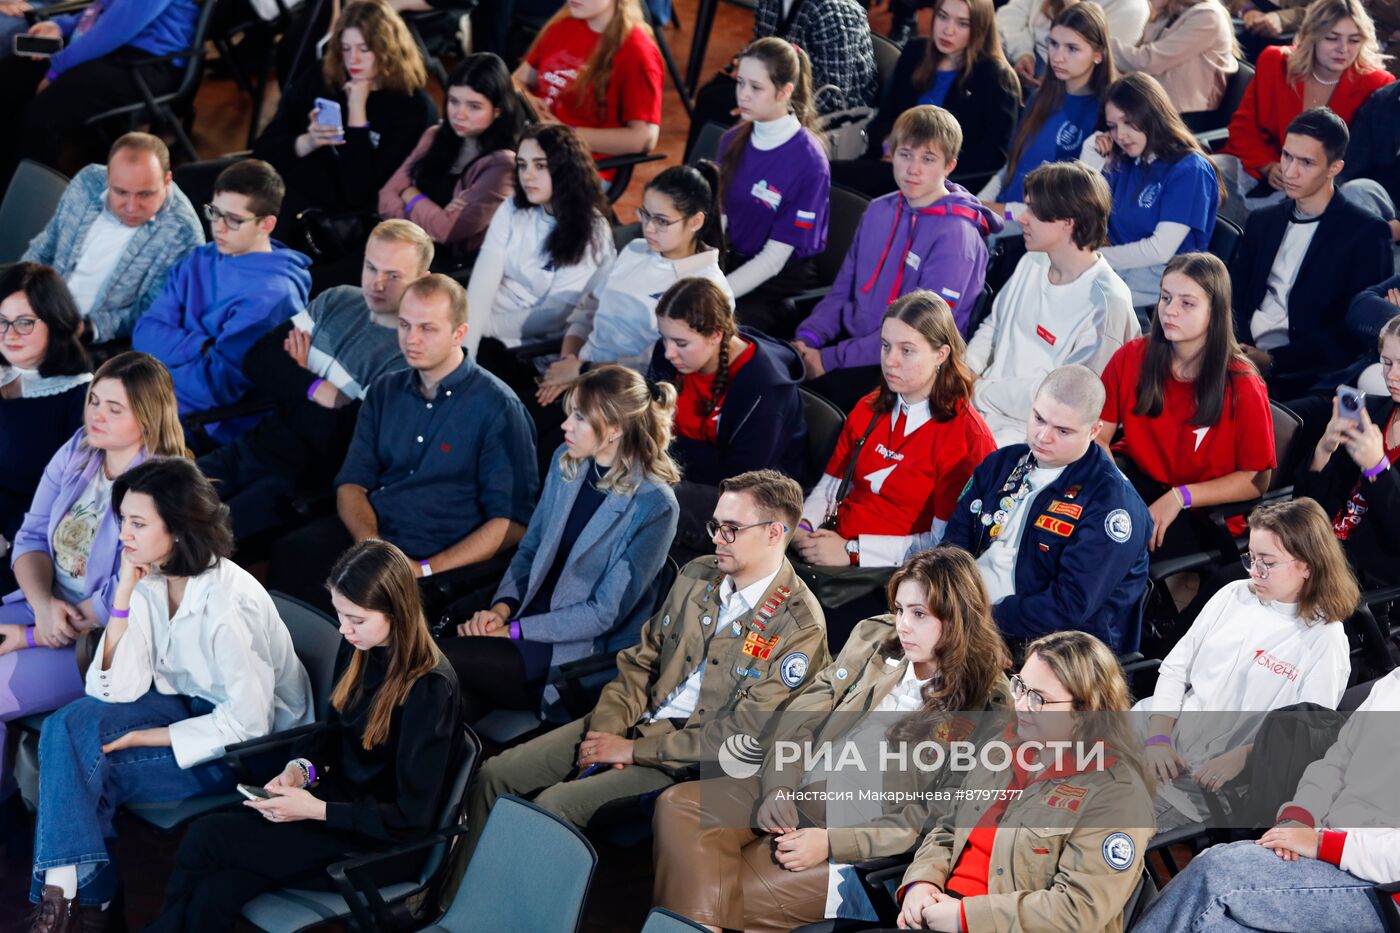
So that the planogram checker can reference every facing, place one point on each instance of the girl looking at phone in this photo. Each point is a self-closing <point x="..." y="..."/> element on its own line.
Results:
<point x="372" y="777"/>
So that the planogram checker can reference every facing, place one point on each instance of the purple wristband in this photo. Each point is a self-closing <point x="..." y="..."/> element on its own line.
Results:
<point x="29" y="637"/>
<point x="310" y="773"/>
<point x="412" y="203"/>
<point x="1158" y="740"/>
<point x="1378" y="469"/>
<point x="311" y="389"/>
<point x="809" y="338"/>
<point x="119" y="613"/>
<point x="515" y="630"/>
<point x="805" y="525"/>
<point x="1185" y="496"/>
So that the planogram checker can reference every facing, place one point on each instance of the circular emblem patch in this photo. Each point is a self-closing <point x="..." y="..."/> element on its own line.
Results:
<point x="793" y="669"/>
<point x="1118" y="525"/>
<point x="1118" y="851"/>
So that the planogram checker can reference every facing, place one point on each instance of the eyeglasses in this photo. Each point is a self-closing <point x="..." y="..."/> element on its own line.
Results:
<point x="231" y="222"/>
<point x="728" y="531"/>
<point x="1035" y="700"/>
<point x="647" y="219"/>
<point x="23" y="326"/>
<point x="1256" y="566"/>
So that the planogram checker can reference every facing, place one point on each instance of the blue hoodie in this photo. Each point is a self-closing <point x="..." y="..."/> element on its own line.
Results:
<point x="212" y="310"/>
<point x="156" y="26"/>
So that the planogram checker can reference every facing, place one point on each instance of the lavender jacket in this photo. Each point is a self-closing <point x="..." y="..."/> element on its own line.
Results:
<point x="897" y="250"/>
<point x="68" y="473"/>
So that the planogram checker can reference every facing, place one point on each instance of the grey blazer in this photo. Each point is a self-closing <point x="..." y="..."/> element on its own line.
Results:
<point x="609" y="570"/>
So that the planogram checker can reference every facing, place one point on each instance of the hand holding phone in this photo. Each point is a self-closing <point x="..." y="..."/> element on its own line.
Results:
<point x="1350" y="404"/>
<point x="328" y="115"/>
<point x="253" y="792"/>
<point x="37" y="46"/>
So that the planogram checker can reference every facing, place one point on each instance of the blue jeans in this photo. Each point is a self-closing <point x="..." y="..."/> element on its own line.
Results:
<point x="80" y="788"/>
<point x="1244" y="886"/>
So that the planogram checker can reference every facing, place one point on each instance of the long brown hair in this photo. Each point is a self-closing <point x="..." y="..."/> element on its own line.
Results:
<point x="150" y="393"/>
<point x="1221" y="358"/>
<point x="983" y="42"/>
<point x="1321" y="16"/>
<point x="970" y="651"/>
<point x="377" y="576"/>
<point x="397" y="62"/>
<point x="786" y="64"/>
<point x="704" y="307"/>
<point x="1086" y="19"/>
<point x="617" y="396"/>
<point x="930" y="315"/>
<point x="597" y="70"/>
<point x="1146" y="106"/>
<point x="1330" y="592"/>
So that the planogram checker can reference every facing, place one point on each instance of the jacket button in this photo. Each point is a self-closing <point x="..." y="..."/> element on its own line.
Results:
<point x="1001" y="871"/>
<point x="687" y="659"/>
<point x="713" y="661"/>
<point x="699" y="711"/>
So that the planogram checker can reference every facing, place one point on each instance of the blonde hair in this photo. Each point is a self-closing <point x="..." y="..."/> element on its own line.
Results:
<point x="614" y="396"/>
<point x="398" y="63"/>
<point x="150" y="394"/>
<point x="1304" y="531"/>
<point x="927" y="125"/>
<point x="1390" y="328"/>
<point x="406" y="231"/>
<point x="597" y="70"/>
<point x="1322" y="15"/>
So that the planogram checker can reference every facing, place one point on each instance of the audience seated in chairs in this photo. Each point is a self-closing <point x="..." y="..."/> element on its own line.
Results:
<point x="374" y="72"/>
<point x="66" y="555"/>
<point x="1065" y="110"/>
<point x="596" y="541"/>
<point x="775" y="184"/>
<point x="463" y="169"/>
<point x="1223" y="675"/>
<point x="194" y="658"/>
<point x="370" y="778"/>
<point x="437" y="463"/>
<point x="541" y="250"/>
<point x="914" y="673"/>
<point x="1333" y="63"/>
<point x="1318" y="866"/>
<point x="739" y="633"/>
<point x="316" y="368"/>
<point x="1300" y="264"/>
<point x="1025" y="27"/>
<point x="926" y="236"/>
<point x="44" y="377"/>
<point x="1197" y="429"/>
<point x="595" y="67"/>
<point x="1060" y="535"/>
<point x="224" y="295"/>
<point x="1063" y="304"/>
<point x="906" y="451"/>
<point x="45" y="101"/>
<point x="959" y="67"/>
<point x="972" y="874"/>
<point x="1165" y="190"/>
<point x="1351" y="474"/>
<point x="118" y="231"/>
<point x="1188" y="46"/>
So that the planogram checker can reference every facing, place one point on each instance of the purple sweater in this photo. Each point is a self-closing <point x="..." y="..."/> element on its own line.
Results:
<point x="897" y="250"/>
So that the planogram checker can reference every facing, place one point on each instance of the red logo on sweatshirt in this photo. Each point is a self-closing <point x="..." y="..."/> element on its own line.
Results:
<point x="1274" y="665"/>
<point x="1045" y="335"/>
<point x="446" y="448"/>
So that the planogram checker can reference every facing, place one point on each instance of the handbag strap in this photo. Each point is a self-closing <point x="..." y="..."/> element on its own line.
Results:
<point x="848" y="478"/>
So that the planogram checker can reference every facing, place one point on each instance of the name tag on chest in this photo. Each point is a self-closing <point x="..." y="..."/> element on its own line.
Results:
<point x="770" y="196"/>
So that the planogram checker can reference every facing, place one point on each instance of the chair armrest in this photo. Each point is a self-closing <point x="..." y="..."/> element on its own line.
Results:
<point x="1160" y="570"/>
<point x="1210" y="138"/>
<point x="353" y="881"/>
<point x="628" y="159"/>
<point x="874" y="874"/>
<point x="247" y="406"/>
<point x="571" y="675"/>
<point x="240" y="755"/>
<point x="1382" y="895"/>
<point x="58" y="9"/>
<point x="1382" y="594"/>
<point x="536" y="348"/>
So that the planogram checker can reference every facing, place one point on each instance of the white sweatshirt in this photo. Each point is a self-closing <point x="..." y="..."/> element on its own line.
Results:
<point x="1035" y="327"/>
<point x="1240" y="658"/>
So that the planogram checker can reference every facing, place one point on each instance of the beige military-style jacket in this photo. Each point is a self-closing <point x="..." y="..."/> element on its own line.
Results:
<point x="780" y="647"/>
<point x="855" y="683"/>
<point x="1067" y="856"/>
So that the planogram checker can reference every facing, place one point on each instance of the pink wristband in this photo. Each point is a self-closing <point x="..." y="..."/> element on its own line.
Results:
<point x="1158" y="740"/>
<point x="311" y="390"/>
<point x="1378" y="469"/>
<point x="515" y="630"/>
<point x="1185" y="496"/>
<point x="119" y="613"/>
<point x="29" y="637"/>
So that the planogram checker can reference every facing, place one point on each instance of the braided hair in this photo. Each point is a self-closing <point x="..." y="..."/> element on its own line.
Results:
<point x="704" y="307"/>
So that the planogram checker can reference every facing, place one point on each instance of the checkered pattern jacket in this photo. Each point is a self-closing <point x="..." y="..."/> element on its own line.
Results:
<point x="835" y="34"/>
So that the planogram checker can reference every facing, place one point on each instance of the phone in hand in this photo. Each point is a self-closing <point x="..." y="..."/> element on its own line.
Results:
<point x="253" y="792"/>
<point x="1350" y="403"/>
<point x="328" y="114"/>
<point x="38" y="46"/>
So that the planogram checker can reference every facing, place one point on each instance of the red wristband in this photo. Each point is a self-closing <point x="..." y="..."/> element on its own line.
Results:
<point x="1333" y="841"/>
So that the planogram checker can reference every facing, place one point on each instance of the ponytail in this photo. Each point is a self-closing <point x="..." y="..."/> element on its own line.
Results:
<point x="693" y="190"/>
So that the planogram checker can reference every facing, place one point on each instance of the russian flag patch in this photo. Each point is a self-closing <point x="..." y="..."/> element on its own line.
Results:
<point x="806" y="220"/>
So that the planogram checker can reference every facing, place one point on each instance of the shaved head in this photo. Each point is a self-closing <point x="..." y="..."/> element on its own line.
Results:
<point x="1076" y="387"/>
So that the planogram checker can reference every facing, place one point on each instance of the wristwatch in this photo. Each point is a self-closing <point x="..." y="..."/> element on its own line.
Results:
<point x="853" y="551"/>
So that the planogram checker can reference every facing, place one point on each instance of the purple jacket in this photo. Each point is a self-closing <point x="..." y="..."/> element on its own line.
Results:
<point x="897" y="250"/>
<point x="67" y="474"/>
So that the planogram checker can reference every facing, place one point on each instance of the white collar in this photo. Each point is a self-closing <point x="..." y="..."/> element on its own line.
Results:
<point x="915" y="415"/>
<point x="770" y="134"/>
<point x="33" y="385"/>
<point x="750" y="594"/>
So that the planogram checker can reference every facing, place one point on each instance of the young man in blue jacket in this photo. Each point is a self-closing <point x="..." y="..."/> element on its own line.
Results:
<point x="224" y="295"/>
<point x="1059" y="535"/>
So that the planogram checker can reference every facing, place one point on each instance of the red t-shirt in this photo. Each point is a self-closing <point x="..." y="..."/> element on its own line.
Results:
<point x="1168" y="448"/>
<point x="902" y="483"/>
<point x="633" y="91"/>
<point x="696" y="391"/>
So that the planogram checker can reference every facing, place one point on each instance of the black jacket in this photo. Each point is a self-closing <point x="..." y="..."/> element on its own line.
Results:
<point x="1350" y="251"/>
<point x="986" y="105"/>
<point x="1374" y="544"/>
<point x="761" y="426"/>
<point x="1374" y="150"/>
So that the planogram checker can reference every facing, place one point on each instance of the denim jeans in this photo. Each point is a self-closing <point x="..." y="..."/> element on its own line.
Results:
<point x="80" y="788"/>
<point x="1244" y="886"/>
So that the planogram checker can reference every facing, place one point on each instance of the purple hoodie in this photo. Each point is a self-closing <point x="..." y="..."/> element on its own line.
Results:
<point x="897" y="250"/>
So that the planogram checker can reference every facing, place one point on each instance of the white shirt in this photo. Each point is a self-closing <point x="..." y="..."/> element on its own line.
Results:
<point x="102" y="248"/>
<point x="226" y="644"/>
<point x="998" y="562"/>
<point x="1269" y="325"/>
<point x="681" y="703"/>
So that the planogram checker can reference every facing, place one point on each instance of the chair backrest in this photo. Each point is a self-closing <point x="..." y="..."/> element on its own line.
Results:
<point x="630" y="632"/>
<point x="1286" y="428"/>
<point x="824" y="423"/>
<point x="1139" y="900"/>
<point x="29" y="205"/>
<point x="522" y="840"/>
<point x="1235" y="86"/>
<point x="1225" y="240"/>
<point x="316" y="638"/>
<point x="886" y="60"/>
<point x="847" y="208"/>
<point x="661" y="920"/>
<point x="981" y="309"/>
<point x="194" y="61"/>
<point x="707" y="142"/>
<point x="454" y="802"/>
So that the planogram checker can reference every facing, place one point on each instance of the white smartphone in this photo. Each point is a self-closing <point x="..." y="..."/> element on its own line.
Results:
<point x="253" y="792"/>
<point x="328" y="114"/>
<point x="1350" y="403"/>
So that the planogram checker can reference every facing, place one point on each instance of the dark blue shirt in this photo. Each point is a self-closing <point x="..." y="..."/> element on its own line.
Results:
<point x="438" y="469"/>
<point x="938" y="91"/>
<point x="1148" y="193"/>
<point x="1059" y="139"/>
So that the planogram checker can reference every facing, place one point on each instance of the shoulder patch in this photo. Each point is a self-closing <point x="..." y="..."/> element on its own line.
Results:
<point x="793" y="668"/>
<point x="1118" y="851"/>
<point x="1118" y="525"/>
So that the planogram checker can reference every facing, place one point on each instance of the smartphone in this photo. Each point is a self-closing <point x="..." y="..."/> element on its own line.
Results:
<point x="1350" y="403"/>
<point x="328" y="114"/>
<point x="42" y="46"/>
<point x="253" y="792"/>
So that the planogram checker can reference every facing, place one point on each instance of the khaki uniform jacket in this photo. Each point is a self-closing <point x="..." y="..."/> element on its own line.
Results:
<point x="1055" y="865"/>
<point x="756" y="672"/>
<point x="855" y="683"/>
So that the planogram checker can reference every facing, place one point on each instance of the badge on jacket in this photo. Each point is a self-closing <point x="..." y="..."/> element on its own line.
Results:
<point x="1066" y="797"/>
<point x="756" y="646"/>
<point x="793" y="669"/>
<point x="1118" y="851"/>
